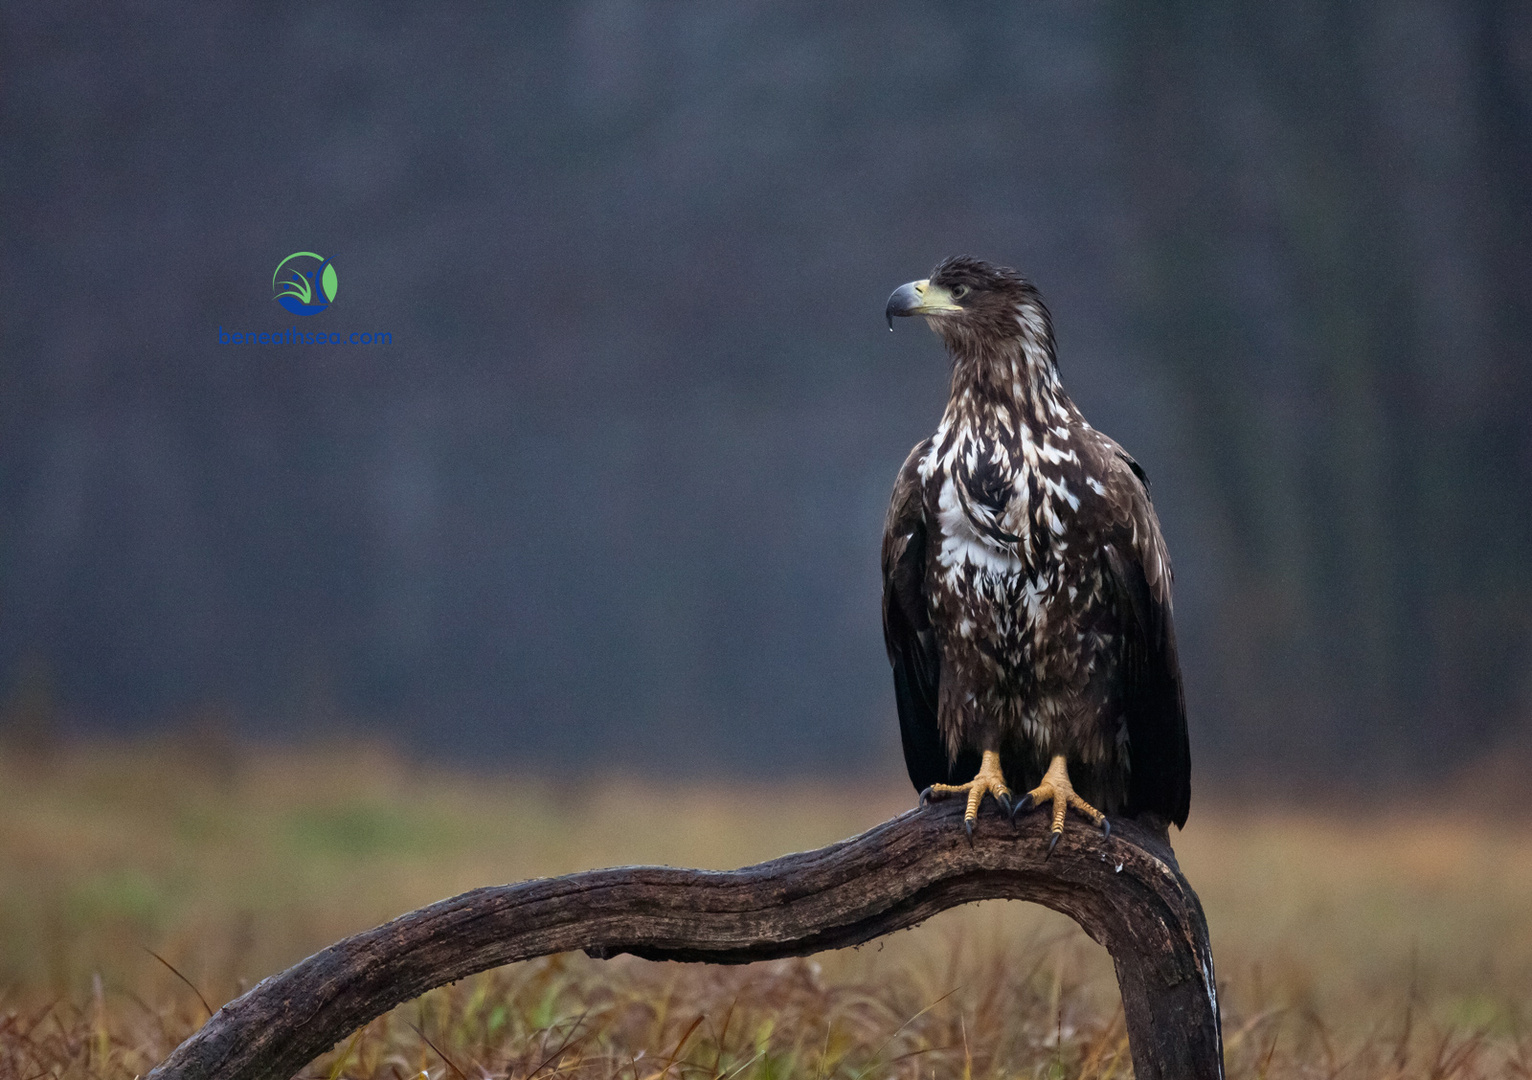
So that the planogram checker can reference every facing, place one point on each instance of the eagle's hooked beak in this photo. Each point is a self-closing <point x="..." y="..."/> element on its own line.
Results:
<point x="919" y="298"/>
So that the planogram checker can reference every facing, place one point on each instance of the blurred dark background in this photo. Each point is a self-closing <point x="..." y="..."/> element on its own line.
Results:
<point x="613" y="494"/>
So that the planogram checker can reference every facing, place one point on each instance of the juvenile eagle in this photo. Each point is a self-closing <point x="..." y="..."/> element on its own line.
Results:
<point x="1026" y="588"/>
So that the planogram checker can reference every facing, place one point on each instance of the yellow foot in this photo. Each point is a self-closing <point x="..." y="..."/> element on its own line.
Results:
<point x="989" y="780"/>
<point x="1057" y="789"/>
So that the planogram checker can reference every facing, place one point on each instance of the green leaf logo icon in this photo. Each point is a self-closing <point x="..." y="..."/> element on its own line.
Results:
<point x="305" y="291"/>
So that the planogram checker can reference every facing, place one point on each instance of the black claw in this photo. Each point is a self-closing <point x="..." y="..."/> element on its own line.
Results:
<point x="968" y="825"/>
<point x="1053" y="841"/>
<point x="925" y="796"/>
<point x="1022" y="804"/>
<point x="1005" y="802"/>
<point x="1106" y="829"/>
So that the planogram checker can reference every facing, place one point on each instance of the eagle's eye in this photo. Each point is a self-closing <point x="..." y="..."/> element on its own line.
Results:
<point x="959" y="291"/>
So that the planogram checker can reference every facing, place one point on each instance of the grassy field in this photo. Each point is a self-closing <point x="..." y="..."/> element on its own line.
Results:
<point x="1352" y="941"/>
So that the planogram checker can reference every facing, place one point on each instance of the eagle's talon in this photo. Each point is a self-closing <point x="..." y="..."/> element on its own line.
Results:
<point x="1023" y="804"/>
<point x="1106" y="828"/>
<point x="1053" y="840"/>
<point x="968" y="828"/>
<point x="1055" y="788"/>
<point x="988" y="781"/>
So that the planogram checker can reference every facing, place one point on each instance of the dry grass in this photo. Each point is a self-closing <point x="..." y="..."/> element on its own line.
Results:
<point x="1366" y="944"/>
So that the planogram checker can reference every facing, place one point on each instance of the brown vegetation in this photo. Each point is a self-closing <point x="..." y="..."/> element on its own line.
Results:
<point x="1360" y="943"/>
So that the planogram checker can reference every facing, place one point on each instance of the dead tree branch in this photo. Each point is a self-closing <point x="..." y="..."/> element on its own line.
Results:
<point x="1126" y="892"/>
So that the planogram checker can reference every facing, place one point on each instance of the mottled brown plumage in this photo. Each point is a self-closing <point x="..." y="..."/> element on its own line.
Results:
<point x="1026" y="599"/>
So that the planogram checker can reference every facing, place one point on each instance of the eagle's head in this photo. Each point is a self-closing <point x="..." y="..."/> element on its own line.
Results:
<point x="979" y="309"/>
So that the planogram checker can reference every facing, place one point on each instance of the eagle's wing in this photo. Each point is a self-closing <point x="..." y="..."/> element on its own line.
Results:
<point x="1138" y="569"/>
<point x="907" y="628"/>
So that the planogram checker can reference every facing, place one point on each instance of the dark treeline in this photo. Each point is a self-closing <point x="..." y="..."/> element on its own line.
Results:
<point x="613" y="493"/>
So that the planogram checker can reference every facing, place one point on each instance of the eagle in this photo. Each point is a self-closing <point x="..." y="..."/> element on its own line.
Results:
<point x="1026" y="586"/>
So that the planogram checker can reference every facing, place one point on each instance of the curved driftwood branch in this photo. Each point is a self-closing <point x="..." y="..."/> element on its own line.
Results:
<point x="1126" y="892"/>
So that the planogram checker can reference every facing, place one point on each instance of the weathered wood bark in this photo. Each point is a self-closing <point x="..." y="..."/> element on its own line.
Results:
<point x="1127" y="892"/>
